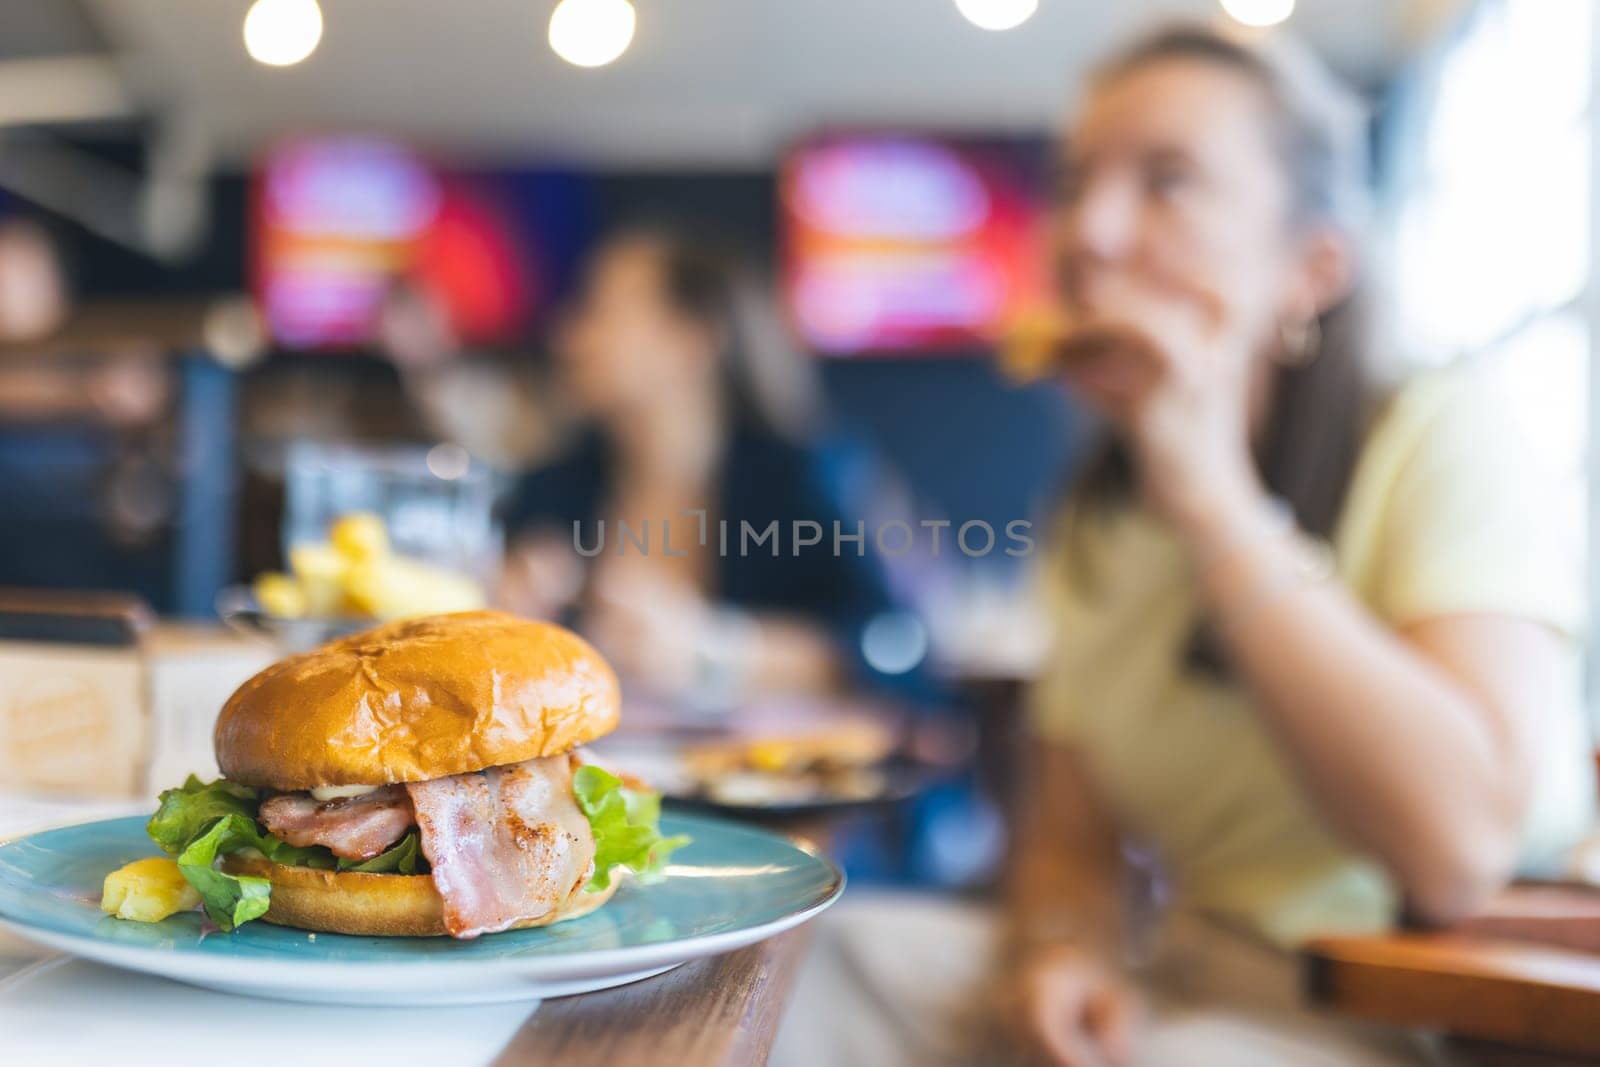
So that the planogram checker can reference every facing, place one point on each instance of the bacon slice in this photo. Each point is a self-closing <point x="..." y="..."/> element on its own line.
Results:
<point x="507" y="845"/>
<point x="356" y="828"/>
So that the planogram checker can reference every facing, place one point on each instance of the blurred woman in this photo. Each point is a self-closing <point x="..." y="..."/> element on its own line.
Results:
<point x="698" y="415"/>
<point x="1315" y="647"/>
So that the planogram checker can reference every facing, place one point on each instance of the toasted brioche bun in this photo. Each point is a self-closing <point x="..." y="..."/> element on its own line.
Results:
<point x="372" y="905"/>
<point x="415" y="700"/>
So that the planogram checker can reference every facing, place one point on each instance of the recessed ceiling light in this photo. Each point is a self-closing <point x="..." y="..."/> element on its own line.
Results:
<point x="997" y="14"/>
<point x="1258" y="12"/>
<point x="280" y="33"/>
<point x="591" y="33"/>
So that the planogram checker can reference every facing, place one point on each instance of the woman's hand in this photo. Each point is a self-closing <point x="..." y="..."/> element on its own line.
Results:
<point x="650" y="625"/>
<point x="1177" y="374"/>
<point x="540" y="578"/>
<point x="1067" y="1008"/>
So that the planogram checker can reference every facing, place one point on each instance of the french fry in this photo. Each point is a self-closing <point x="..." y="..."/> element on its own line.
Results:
<point x="147" y="891"/>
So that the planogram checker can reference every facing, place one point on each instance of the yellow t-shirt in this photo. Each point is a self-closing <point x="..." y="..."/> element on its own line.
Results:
<point x="1451" y="510"/>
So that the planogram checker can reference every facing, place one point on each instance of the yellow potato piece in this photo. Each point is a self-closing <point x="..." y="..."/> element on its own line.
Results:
<point x="281" y="596"/>
<point x="317" y="561"/>
<point x="147" y="891"/>
<point x="355" y="575"/>
<point x="321" y="571"/>
<point x="359" y="536"/>
<point x="397" y="588"/>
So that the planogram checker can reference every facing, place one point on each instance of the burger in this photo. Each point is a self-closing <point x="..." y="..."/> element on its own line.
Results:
<point x="422" y="778"/>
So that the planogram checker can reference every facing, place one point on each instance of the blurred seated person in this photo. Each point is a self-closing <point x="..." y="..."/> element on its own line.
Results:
<point x="696" y="414"/>
<point x="34" y="304"/>
<point x="84" y="436"/>
<point x="34" y="296"/>
<point x="125" y="386"/>
<point x="1317" y="656"/>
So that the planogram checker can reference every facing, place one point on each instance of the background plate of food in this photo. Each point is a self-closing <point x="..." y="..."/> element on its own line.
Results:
<point x="784" y="761"/>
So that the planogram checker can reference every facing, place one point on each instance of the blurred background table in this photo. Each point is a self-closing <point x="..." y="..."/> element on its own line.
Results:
<point x="1518" y="986"/>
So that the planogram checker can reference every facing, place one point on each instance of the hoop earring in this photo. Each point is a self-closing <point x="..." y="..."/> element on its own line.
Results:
<point x="1302" y="342"/>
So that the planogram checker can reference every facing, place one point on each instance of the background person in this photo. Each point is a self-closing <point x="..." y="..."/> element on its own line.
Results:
<point x="1315" y="645"/>
<point x="692" y="402"/>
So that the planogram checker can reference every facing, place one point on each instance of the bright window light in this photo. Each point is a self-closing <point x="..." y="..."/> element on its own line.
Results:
<point x="1493" y="230"/>
<point x="997" y="14"/>
<point x="591" y="33"/>
<point x="1258" y="12"/>
<point x="280" y="33"/>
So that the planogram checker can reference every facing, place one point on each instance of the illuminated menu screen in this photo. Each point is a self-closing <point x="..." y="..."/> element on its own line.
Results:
<point x="340" y="220"/>
<point x="908" y="243"/>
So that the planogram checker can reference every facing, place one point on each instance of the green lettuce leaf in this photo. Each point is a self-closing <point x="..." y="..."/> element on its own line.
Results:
<point x="187" y="812"/>
<point x="229" y="899"/>
<point x="201" y="821"/>
<point x="402" y="857"/>
<point x="625" y="824"/>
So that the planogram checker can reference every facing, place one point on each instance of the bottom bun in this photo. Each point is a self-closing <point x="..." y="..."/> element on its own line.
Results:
<point x="372" y="905"/>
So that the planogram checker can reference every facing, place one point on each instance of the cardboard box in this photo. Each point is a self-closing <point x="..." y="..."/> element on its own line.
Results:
<point x="73" y="718"/>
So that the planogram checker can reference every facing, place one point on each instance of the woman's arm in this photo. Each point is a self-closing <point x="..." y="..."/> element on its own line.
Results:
<point x="1058" y="992"/>
<point x="1416" y="743"/>
<point x="1063" y="873"/>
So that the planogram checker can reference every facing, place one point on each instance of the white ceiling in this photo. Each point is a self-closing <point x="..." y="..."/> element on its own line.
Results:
<point x="724" y="82"/>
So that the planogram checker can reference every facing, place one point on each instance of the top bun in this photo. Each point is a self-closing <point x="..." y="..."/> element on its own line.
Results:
<point x="417" y="699"/>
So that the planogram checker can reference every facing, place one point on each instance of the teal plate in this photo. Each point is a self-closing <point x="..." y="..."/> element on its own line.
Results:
<point x="733" y="886"/>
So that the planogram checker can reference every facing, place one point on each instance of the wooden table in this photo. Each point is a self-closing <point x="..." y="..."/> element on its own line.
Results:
<point x="1502" y="1000"/>
<point x="720" y="1011"/>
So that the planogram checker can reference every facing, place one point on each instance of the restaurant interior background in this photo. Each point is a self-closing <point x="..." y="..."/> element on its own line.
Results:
<point x="203" y="218"/>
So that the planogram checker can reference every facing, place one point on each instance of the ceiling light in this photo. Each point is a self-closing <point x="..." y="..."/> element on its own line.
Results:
<point x="997" y="14"/>
<point x="280" y="33"/>
<point x="591" y="33"/>
<point x="1258" y="12"/>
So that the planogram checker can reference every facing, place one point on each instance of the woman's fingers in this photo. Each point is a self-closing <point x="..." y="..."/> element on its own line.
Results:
<point x="1185" y="330"/>
<point x="1192" y="308"/>
<point x="1110" y="362"/>
<point x="1080" y="1016"/>
<point x="1060" y="1035"/>
<point x="1112" y="1015"/>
